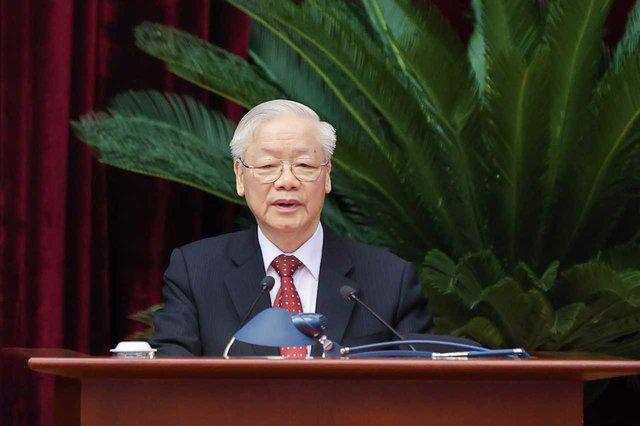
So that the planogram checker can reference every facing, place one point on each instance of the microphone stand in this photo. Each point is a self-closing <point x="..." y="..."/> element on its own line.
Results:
<point x="350" y="293"/>
<point x="266" y="284"/>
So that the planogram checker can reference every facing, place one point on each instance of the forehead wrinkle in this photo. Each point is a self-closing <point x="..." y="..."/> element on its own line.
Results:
<point x="290" y="145"/>
<point x="294" y="150"/>
<point x="285" y="135"/>
<point x="293" y="141"/>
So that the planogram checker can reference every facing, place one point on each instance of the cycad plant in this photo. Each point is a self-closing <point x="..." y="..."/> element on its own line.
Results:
<point x="508" y="168"/>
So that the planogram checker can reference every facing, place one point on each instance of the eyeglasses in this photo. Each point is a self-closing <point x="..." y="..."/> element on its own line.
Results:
<point x="269" y="170"/>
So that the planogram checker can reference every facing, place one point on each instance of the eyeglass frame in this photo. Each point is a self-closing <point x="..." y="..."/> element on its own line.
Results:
<point x="252" y="168"/>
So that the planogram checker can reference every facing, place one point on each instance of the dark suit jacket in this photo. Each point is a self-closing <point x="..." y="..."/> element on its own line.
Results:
<point x="210" y="284"/>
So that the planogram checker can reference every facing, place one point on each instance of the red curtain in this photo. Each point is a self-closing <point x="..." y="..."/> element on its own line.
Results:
<point x="83" y="245"/>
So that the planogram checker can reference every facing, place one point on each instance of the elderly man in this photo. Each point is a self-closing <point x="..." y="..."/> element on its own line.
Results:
<point x="282" y="162"/>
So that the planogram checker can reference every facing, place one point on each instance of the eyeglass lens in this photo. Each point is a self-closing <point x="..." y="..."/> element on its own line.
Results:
<point x="303" y="169"/>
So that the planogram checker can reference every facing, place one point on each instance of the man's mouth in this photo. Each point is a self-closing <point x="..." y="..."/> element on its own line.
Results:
<point x="287" y="204"/>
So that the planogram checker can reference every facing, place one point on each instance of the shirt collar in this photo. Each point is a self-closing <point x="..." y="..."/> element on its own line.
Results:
<point x="310" y="253"/>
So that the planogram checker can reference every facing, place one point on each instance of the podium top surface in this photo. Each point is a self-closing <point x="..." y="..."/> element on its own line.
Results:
<point x="336" y="369"/>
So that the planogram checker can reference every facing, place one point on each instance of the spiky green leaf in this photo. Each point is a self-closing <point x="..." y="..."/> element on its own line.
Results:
<point x="168" y="136"/>
<point x="204" y="64"/>
<point x="574" y="30"/>
<point x="501" y="297"/>
<point x="517" y="120"/>
<point x="629" y="45"/>
<point x="432" y="57"/>
<point x="508" y="25"/>
<point x="430" y="52"/>
<point x="600" y="191"/>
<point x="482" y="331"/>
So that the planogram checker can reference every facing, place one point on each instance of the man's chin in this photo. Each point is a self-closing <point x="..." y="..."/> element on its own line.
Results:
<point x="289" y="228"/>
<point x="287" y="225"/>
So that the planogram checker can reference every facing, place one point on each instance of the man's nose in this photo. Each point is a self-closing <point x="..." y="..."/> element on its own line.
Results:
<point x="287" y="179"/>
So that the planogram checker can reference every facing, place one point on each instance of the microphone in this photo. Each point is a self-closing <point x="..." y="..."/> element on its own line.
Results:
<point x="266" y="285"/>
<point x="350" y="294"/>
<point x="311" y="324"/>
<point x="314" y="325"/>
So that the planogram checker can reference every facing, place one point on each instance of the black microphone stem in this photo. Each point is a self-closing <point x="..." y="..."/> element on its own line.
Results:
<point x="266" y="284"/>
<point x="372" y="312"/>
<point x="253" y="305"/>
<point x="379" y="318"/>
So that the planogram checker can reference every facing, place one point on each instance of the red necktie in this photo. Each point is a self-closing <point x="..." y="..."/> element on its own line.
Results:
<point x="288" y="297"/>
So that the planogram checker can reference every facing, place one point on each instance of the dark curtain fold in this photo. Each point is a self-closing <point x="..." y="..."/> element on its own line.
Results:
<point x="84" y="245"/>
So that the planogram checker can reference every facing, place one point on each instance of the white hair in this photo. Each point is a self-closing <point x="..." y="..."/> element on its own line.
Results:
<point x="268" y="111"/>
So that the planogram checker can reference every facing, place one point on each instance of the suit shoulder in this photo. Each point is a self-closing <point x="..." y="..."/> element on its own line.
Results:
<point x="211" y="245"/>
<point x="372" y="253"/>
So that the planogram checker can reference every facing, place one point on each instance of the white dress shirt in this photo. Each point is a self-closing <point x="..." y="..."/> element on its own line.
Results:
<point x="305" y="279"/>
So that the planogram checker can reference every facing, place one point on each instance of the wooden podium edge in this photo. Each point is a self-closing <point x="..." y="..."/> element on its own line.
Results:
<point x="336" y="369"/>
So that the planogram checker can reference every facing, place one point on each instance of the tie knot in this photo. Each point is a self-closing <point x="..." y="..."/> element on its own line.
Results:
<point x="285" y="265"/>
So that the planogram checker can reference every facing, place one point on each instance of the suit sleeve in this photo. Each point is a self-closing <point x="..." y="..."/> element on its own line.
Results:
<point x="413" y="314"/>
<point x="176" y="325"/>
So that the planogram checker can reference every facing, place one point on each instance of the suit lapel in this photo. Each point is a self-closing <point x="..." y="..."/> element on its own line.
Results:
<point x="335" y="265"/>
<point x="242" y="282"/>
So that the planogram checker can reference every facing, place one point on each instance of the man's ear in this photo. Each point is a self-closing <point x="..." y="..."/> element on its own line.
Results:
<point x="239" y="172"/>
<point x="327" y="179"/>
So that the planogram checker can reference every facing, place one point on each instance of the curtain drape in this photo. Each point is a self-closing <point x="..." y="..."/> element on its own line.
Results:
<point x="83" y="245"/>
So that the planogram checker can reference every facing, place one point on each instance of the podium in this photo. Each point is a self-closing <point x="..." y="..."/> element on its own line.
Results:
<point x="217" y="391"/>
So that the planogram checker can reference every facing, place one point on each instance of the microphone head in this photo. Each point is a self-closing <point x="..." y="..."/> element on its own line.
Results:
<point x="347" y="292"/>
<point x="311" y="324"/>
<point x="267" y="283"/>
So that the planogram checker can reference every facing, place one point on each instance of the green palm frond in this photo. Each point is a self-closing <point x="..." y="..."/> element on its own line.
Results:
<point x="630" y="42"/>
<point x="586" y="280"/>
<point x="204" y="64"/>
<point x="332" y="29"/>
<point x="298" y="76"/>
<point x="432" y="56"/>
<point x="429" y="51"/>
<point x="368" y="209"/>
<point x="517" y="124"/>
<point x="628" y="348"/>
<point x="609" y="331"/>
<point x="145" y="317"/>
<point x="574" y="31"/>
<point x="530" y="323"/>
<point x="588" y="307"/>
<point x="605" y="164"/>
<point x="342" y="87"/>
<point x="586" y="320"/>
<point x="339" y="219"/>
<point x="466" y="279"/>
<point x="477" y="54"/>
<point x="512" y="25"/>
<point x="621" y="258"/>
<point x="524" y="274"/>
<point x="566" y="317"/>
<point x="168" y="136"/>
<point x="482" y="331"/>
